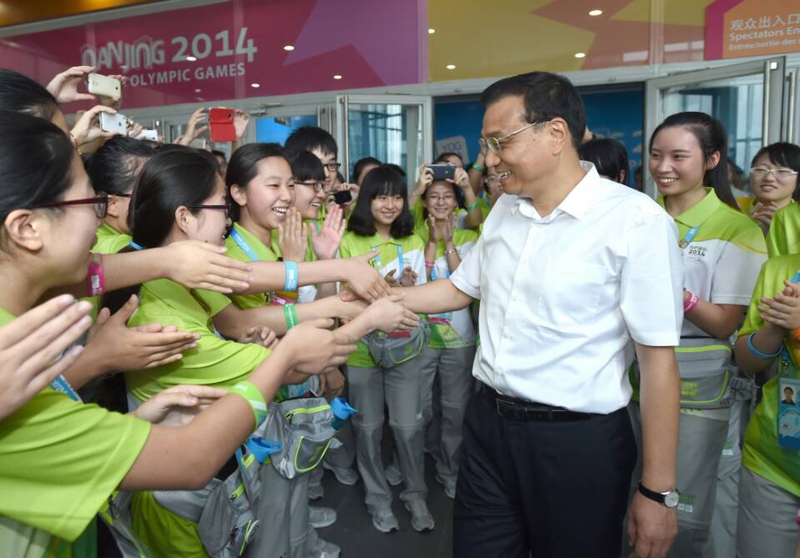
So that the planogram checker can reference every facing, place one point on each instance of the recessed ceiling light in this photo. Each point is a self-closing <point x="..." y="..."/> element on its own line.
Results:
<point x="288" y="48"/>
<point x="580" y="55"/>
<point x="197" y="90"/>
<point x="595" y="13"/>
<point x="191" y="58"/>
<point x="451" y="66"/>
<point x="431" y="31"/>
<point x="337" y="76"/>
<point x="255" y="85"/>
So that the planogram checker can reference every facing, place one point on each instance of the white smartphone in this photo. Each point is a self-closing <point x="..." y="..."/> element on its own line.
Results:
<point x="114" y="123"/>
<point x="103" y="85"/>
<point x="150" y="135"/>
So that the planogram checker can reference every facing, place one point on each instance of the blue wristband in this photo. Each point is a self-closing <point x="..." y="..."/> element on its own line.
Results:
<point x="755" y="352"/>
<point x="291" y="277"/>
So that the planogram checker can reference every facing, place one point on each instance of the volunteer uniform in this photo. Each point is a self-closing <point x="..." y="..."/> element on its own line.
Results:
<point x="448" y="356"/>
<point x="784" y="232"/>
<point x="110" y="240"/>
<point x="60" y="460"/>
<point x="371" y="387"/>
<point x="214" y="362"/>
<point x="769" y="486"/>
<point x="722" y="252"/>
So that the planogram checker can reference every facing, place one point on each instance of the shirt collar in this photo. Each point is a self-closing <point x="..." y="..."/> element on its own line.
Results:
<point x="699" y="212"/>
<point x="577" y="202"/>
<point x="377" y="241"/>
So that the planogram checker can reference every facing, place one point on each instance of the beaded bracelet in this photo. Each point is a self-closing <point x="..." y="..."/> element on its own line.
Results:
<point x="254" y="397"/>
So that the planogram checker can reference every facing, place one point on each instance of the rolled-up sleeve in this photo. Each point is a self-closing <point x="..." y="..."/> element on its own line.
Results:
<point x="467" y="277"/>
<point x="651" y="296"/>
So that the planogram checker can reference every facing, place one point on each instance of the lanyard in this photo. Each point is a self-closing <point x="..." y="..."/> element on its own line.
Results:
<point x="796" y="277"/>
<point x="377" y="259"/>
<point x="446" y="273"/>
<point x="687" y="240"/>
<point x="61" y="384"/>
<point x="243" y="244"/>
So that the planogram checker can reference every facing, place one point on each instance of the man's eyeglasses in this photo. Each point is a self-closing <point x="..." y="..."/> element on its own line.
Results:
<point x="226" y="207"/>
<point x="317" y="186"/>
<point x="761" y="172"/>
<point x="99" y="204"/>
<point x="495" y="145"/>
<point x="333" y="167"/>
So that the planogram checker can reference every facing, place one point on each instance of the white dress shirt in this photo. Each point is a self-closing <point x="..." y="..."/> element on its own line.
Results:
<point x="562" y="296"/>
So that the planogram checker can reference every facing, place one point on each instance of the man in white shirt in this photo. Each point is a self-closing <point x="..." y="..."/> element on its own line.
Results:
<point x="574" y="273"/>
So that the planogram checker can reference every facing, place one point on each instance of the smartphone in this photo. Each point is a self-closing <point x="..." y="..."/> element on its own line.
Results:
<point x="114" y="123"/>
<point x="342" y="197"/>
<point x="149" y="135"/>
<point x="443" y="171"/>
<point x="220" y="124"/>
<point x="103" y="85"/>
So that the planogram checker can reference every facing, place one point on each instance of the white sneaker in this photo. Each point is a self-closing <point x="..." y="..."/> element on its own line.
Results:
<point x="320" y="517"/>
<point x="324" y="549"/>
<point x="384" y="521"/>
<point x="393" y="474"/>
<point x="345" y="476"/>
<point x="421" y="518"/>
<point x="449" y="487"/>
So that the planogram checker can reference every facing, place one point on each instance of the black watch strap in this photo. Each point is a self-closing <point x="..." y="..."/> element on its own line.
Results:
<point x="668" y="499"/>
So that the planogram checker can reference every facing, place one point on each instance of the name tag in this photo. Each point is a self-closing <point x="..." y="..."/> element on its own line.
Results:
<point x="789" y="414"/>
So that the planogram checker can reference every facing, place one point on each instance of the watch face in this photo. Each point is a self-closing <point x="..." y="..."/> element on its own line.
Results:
<point x="672" y="498"/>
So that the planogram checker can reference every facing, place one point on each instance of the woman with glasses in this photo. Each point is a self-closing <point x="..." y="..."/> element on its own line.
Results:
<point x="180" y="196"/>
<point x="60" y="460"/>
<point x="774" y="181"/>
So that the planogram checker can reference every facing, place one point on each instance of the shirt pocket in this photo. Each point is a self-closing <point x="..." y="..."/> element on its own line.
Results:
<point x="571" y="292"/>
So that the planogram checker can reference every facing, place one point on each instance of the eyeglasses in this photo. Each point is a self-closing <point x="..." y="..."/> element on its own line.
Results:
<point x="226" y="207"/>
<point x="332" y="166"/>
<point x="122" y="195"/>
<point x="495" y="144"/>
<point x="99" y="204"/>
<point x="761" y="172"/>
<point x="318" y="186"/>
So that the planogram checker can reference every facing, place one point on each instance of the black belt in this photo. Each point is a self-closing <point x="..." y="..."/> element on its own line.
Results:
<point x="521" y="410"/>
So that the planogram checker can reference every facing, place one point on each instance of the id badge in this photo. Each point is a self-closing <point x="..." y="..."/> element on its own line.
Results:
<point x="440" y="319"/>
<point x="789" y="413"/>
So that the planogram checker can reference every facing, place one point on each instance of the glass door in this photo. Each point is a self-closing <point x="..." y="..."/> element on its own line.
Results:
<point x="275" y="124"/>
<point x="395" y="129"/>
<point x="747" y="98"/>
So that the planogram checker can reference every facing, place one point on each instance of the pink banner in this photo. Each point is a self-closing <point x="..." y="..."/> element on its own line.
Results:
<point x="219" y="51"/>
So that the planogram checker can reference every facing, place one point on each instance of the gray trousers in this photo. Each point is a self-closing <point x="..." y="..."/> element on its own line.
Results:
<point x="283" y="515"/>
<point x="399" y="389"/>
<point x="444" y="403"/>
<point x="767" y="527"/>
<point x="700" y="445"/>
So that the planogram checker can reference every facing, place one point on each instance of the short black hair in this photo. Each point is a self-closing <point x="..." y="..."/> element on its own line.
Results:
<point x="309" y="138"/>
<point x="784" y="154"/>
<point x="397" y="168"/>
<point x="243" y="167"/>
<point x="363" y="163"/>
<point x="19" y="93"/>
<point x="381" y="181"/>
<point x="609" y="157"/>
<point x="218" y="153"/>
<point x="443" y="157"/>
<point x="545" y="96"/>
<point x="116" y="165"/>
<point x="306" y="167"/>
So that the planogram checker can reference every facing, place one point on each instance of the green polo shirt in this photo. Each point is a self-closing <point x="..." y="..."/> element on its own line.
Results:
<point x="412" y="249"/>
<point x="59" y="462"/>
<point x="263" y="252"/>
<point x="110" y="240"/>
<point x="761" y="453"/>
<point x="783" y="237"/>
<point x="214" y="362"/>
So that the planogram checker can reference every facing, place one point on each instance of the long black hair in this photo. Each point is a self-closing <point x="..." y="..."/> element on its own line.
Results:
<point x="116" y="165"/>
<point x="243" y="167"/>
<point x="35" y="162"/>
<point x="381" y="181"/>
<point x="711" y="136"/>
<point x="19" y="93"/>
<point x="786" y="155"/>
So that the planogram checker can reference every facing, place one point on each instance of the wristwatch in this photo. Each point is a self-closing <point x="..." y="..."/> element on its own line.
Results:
<point x="669" y="499"/>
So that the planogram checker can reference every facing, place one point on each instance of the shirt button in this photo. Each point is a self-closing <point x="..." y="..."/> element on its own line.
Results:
<point x="507" y="335"/>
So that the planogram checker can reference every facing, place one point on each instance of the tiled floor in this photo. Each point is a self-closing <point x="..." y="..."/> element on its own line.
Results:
<point x="354" y="533"/>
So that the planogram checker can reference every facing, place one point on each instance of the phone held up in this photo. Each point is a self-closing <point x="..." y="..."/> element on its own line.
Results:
<point x="104" y="86"/>
<point x="443" y="171"/>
